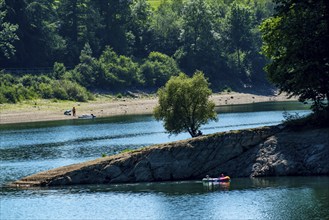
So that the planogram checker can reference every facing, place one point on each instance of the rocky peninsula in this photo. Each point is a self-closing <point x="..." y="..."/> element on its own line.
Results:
<point x="266" y="151"/>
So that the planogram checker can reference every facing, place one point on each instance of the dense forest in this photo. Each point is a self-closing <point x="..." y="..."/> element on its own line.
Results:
<point x="69" y="49"/>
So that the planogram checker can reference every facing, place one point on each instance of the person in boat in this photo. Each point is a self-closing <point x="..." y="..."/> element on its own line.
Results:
<point x="224" y="178"/>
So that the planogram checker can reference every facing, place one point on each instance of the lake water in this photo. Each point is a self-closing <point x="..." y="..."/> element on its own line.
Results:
<point x="28" y="148"/>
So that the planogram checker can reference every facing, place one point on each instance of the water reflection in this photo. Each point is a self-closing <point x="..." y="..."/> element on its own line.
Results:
<point x="243" y="198"/>
<point x="212" y="186"/>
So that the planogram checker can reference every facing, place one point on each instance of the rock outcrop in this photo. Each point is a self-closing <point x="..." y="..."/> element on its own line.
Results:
<point x="257" y="152"/>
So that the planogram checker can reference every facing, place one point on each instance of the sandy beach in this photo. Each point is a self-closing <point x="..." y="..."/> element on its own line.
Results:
<point x="47" y="110"/>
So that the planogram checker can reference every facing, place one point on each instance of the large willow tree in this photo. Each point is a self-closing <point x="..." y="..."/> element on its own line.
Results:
<point x="184" y="104"/>
<point x="296" y="40"/>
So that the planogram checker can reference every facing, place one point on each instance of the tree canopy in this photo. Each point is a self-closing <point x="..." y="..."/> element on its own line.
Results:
<point x="218" y="37"/>
<point x="184" y="104"/>
<point x="296" y="40"/>
<point x="7" y="34"/>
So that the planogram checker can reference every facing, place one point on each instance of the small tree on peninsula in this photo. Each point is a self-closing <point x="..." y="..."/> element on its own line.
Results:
<point x="184" y="105"/>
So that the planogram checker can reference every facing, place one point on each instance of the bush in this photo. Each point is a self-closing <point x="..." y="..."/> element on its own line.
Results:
<point x="9" y="94"/>
<point x="27" y="80"/>
<point x="14" y="89"/>
<point x="75" y="91"/>
<point x="59" y="91"/>
<point x="58" y="70"/>
<point x="46" y="91"/>
<point x="24" y="93"/>
<point x="2" y="98"/>
<point x="7" y="79"/>
<point x="226" y="89"/>
<point x="158" y="68"/>
<point x="119" y="95"/>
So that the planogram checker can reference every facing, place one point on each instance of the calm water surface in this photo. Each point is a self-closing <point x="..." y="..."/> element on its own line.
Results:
<point x="32" y="147"/>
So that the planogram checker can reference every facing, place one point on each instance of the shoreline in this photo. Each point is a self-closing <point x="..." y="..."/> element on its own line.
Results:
<point x="48" y="110"/>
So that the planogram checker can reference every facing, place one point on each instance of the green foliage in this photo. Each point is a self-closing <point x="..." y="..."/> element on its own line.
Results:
<point x="107" y="42"/>
<point x="39" y="42"/>
<point x="166" y="27"/>
<point x="238" y="33"/>
<point x="198" y="38"/>
<point x="59" y="70"/>
<point x="138" y="34"/>
<point x="14" y="89"/>
<point x="297" y="43"/>
<point x="184" y="105"/>
<point x="7" y="34"/>
<point x="119" y="71"/>
<point x="226" y="89"/>
<point x="154" y="3"/>
<point x="157" y="69"/>
<point x="88" y="72"/>
<point x="80" y="23"/>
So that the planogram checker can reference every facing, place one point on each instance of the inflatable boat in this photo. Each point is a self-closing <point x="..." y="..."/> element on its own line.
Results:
<point x="216" y="180"/>
<point x="91" y="116"/>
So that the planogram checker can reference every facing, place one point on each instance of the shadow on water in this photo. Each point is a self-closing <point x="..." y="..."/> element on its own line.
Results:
<point x="75" y="122"/>
<point x="190" y="187"/>
<point x="264" y="106"/>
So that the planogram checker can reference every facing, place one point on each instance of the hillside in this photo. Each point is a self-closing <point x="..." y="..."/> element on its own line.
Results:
<point x="69" y="46"/>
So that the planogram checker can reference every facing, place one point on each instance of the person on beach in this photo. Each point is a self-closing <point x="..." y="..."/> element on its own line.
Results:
<point x="73" y="111"/>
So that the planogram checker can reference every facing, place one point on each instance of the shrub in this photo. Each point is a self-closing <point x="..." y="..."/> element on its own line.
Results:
<point x="59" y="91"/>
<point x="158" y="68"/>
<point x="75" y="91"/>
<point x="58" y="70"/>
<point x="9" y="94"/>
<point x="2" y="98"/>
<point x="24" y="93"/>
<point x="46" y="91"/>
<point x="119" y="95"/>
